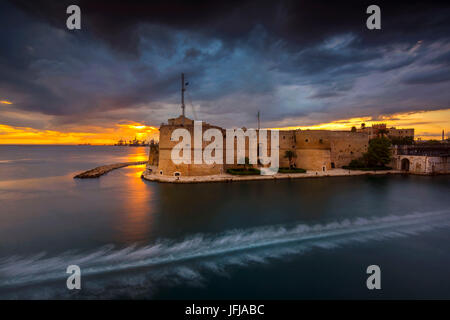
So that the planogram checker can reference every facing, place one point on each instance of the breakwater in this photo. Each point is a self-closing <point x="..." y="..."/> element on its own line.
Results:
<point x="99" y="171"/>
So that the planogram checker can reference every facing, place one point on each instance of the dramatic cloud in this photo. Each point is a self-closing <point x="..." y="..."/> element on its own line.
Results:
<point x="299" y="62"/>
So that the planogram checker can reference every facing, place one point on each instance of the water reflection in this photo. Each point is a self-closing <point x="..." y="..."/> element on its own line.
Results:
<point x="137" y="206"/>
<point x="136" y="154"/>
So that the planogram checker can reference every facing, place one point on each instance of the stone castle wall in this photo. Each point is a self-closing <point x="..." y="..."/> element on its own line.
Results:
<point x="422" y="164"/>
<point x="332" y="149"/>
<point x="167" y="167"/>
<point x="317" y="150"/>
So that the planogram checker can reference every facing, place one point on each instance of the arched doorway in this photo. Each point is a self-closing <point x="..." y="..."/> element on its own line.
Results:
<point x="405" y="164"/>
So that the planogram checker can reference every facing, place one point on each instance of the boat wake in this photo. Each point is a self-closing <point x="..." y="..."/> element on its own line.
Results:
<point x="172" y="262"/>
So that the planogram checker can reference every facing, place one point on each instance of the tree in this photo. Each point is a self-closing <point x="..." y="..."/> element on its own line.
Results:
<point x="289" y="154"/>
<point x="402" y="140"/>
<point x="357" y="163"/>
<point x="247" y="164"/>
<point x="433" y="141"/>
<point x="353" y="129"/>
<point x="363" y="125"/>
<point x="378" y="153"/>
<point x="382" y="132"/>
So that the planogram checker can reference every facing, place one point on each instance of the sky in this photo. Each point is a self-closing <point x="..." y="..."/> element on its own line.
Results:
<point x="302" y="64"/>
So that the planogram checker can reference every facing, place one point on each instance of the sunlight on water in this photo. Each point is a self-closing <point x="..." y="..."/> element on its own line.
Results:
<point x="136" y="205"/>
<point x="139" y="155"/>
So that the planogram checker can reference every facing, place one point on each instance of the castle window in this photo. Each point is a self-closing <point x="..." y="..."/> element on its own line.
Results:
<point x="306" y="140"/>
<point x="160" y="172"/>
<point x="332" y="165"/>
<point x="177" y="174"/>
<point x="320" y="141"/>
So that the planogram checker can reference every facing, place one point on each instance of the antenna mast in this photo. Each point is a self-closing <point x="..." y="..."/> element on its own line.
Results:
<point x="259" y="126"/>
<point x="183" y="89"/>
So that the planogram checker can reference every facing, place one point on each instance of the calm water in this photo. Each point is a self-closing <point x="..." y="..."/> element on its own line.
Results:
<point x="307" y="238"/>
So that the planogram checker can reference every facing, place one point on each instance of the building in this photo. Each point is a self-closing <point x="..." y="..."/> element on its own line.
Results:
<point x="381" y="129"/>
<point x="318" y="150"/>
<point x="321" y="150"/>
<point x="422" y="158"/>
<point x="165" y="164"/>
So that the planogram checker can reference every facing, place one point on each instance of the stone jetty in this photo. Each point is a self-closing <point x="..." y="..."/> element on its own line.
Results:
<point x="99" y="171"/>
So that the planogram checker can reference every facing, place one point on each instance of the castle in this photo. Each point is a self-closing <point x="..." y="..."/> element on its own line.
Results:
<point x="317" y="150"/>
<point x="381" y="128"/>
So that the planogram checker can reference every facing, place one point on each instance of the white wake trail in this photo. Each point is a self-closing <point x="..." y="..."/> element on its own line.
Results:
<point x="186" y="258"/>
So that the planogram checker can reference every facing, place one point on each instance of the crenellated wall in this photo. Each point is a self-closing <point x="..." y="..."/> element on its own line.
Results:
<point x="315" y="149"/>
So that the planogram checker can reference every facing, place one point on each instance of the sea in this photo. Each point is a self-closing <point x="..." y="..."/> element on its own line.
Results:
<point x="311" y="238"/>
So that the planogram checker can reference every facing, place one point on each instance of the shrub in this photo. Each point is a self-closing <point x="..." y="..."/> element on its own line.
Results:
<point x="244" y="172"/>
<point x="402" y="140"/>
<point x="357" y="163"/>
<point x="291" y="170"/>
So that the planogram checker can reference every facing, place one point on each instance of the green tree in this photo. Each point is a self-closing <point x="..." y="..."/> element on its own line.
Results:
<point x="247" y="164"/>
<point x="379" y="152"/>
<point x="289" y="154"/>
<point x="433" y="141"/>
<point x="353" y="129"/>
<point x="402" y="140"/>
<point x="382" y="132"/>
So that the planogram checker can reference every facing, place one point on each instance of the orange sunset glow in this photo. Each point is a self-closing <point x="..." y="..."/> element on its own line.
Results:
<point x="427" y="125"/>
<point x="93" y="135"/>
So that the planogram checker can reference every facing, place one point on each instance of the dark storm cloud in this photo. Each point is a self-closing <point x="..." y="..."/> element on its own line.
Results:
<point x="299" y="22"/>
<point x="434" y="76"/>
<point x="289" y="59"/>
